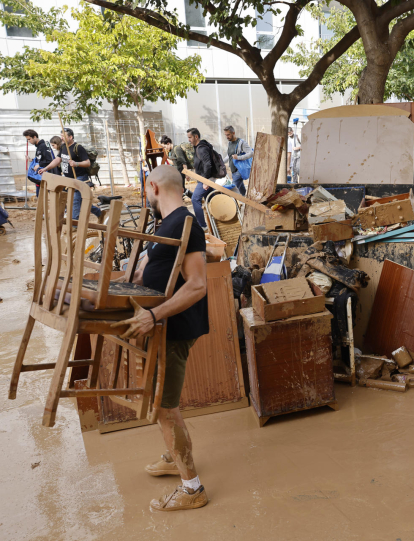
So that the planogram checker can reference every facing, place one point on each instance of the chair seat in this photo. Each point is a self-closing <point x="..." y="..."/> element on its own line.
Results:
<point x="124" y="288"/>
<point x="119" y="293"/>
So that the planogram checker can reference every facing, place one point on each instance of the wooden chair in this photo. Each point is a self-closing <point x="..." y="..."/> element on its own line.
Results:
<point x="57" y="299"/>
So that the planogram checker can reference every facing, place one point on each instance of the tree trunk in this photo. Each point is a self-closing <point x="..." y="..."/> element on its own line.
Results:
<point x="371" y="85"/>
<point x="280" y="112"/>
<point x="140" y="118"/>
<point x="115" y="108"/>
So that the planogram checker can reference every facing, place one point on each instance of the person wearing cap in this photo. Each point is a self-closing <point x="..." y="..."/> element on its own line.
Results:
<point x="75" y="159"/>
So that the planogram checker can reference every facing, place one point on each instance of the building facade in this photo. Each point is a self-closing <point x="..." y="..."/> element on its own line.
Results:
<point x="231" y="93"/>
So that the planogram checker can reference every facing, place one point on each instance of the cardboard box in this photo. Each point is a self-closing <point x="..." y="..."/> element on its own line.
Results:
<point x="386" y="211"/>
<point x="327" y="211"/>
<point x="334" y="231"/>
<point x="289" y="220"/>
<point x="286" y="309"/>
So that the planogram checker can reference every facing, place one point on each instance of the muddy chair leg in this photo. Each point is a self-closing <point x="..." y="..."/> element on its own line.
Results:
<point x="20" y="358"/>
<point x="59" y="372"/>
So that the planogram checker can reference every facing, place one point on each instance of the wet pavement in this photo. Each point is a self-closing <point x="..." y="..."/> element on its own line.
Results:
<point x="318" y="475"/>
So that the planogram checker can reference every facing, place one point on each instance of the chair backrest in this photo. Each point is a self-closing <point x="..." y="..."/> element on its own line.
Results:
<point x="56" y="194"/>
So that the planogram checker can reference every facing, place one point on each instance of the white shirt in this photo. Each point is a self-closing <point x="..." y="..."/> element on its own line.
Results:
<point x="290" y="144"/>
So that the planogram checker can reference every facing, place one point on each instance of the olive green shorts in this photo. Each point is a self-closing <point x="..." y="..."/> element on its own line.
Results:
<point x="177" y="355"/>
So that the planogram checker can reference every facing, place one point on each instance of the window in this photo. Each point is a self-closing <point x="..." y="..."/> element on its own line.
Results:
<point x="264" y="30"/>
<point x="194" y="18"/>
<point x="16" y="31"/>
<point x="324" y="31"/>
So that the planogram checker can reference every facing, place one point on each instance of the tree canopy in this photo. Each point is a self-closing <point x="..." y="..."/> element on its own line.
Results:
<point x="108" y="57"/>
<point x="344" y="75"/>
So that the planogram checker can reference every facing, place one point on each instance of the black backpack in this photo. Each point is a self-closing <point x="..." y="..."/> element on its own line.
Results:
<point x="218" y="164"/>
<point x="92" y="155"/>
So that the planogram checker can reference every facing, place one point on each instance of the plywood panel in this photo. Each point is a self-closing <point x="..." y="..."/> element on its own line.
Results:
<point x="213" y="373"/>
<point x="359" y="150"/>
<point x="391" y="322"/>
<point x="263" y="176"/>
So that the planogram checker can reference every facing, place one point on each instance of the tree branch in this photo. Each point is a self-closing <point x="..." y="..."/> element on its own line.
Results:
<point x="155" y="19"/>
<point x="390" y="10"/>
<point x="399" y="33"/>
<point x="305" y="87"/>
<point x="288" y="34"/>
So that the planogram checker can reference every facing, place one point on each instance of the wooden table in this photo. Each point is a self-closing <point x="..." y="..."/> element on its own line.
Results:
<point x="290" y="363"/>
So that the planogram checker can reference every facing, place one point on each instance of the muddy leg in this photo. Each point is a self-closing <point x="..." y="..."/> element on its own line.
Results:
<point x="178" y="441"/>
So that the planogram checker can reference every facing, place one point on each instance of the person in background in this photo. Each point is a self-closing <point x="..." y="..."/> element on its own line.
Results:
<point x="43" y="154"/>
<point x="238" y="149"/>
<point x="56" y="143"/>
<point x="179" y="156"/>
<point x="203" y="166"/>
<point x="289" y="151"/>
<point x="68" y="164"/>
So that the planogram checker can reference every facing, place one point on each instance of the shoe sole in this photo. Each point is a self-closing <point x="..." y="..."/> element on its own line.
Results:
<point x="162" y="472"/>
<point x="183" y="508"/>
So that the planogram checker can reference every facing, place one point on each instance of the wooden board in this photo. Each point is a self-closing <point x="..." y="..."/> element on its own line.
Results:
<point x="290" y="362"/>
<point x="214" y="373"/>
<point x="334" y="231"/>
<point x="391" y="322"/>
<point x="346" y="111"/>
<point x="263" y="176"/>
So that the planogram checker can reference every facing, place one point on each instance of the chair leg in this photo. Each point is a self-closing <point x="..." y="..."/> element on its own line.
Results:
<point x="162" y="361"/>
<point x="20" y="357"/>
<point x="149" y="370"/>
<point x="94" y="369"/>
<point x="59" y="372"/>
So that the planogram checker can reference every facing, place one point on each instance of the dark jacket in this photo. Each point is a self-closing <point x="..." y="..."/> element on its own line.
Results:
<point x="43" y="154"/>
<point x="203" y="164"/>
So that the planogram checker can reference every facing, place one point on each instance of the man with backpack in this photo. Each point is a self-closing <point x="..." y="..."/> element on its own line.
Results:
<point x="208" y="164"/>
<point x="238" y="149"/>
<point x="182" y="156"/>
<point x="44" y="156"/>
<point x="75" y="159"/>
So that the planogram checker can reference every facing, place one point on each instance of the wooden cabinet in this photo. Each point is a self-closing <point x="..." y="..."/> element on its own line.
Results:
<point x="290" y="363"/>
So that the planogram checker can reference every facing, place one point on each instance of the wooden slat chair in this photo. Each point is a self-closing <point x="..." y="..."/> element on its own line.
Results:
<point x="57" y="300"/>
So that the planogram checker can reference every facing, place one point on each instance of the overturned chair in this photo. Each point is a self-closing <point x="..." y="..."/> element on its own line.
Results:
<point x="75" y="305"/>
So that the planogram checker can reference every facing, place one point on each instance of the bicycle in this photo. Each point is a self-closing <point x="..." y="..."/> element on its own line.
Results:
<point x="94" y="248"/>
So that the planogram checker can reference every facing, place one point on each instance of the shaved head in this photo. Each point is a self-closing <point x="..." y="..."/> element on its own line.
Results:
<point x="167" y="178"/>
<point x="163" y="183"/>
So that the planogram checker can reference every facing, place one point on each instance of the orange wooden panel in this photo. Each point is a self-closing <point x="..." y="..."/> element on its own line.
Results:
<point x="213" y="373"/>
<point x="391" y="322"/>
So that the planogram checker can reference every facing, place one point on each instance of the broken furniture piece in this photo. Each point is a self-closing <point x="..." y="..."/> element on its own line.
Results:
<point x="386" y="210"/>
<point x="57" y="300"/>
<point x="225" y="218"/>
<point x="334" y="231"/>
<point x="153" y="150"/>
<point x="290" y="363"/>
<point x="214" y="377"/>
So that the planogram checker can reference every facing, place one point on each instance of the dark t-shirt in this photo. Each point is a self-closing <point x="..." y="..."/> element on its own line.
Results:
<point x="193" y="322"/>
<point x="80" y="156"/>
<point x="43" y="153"/>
